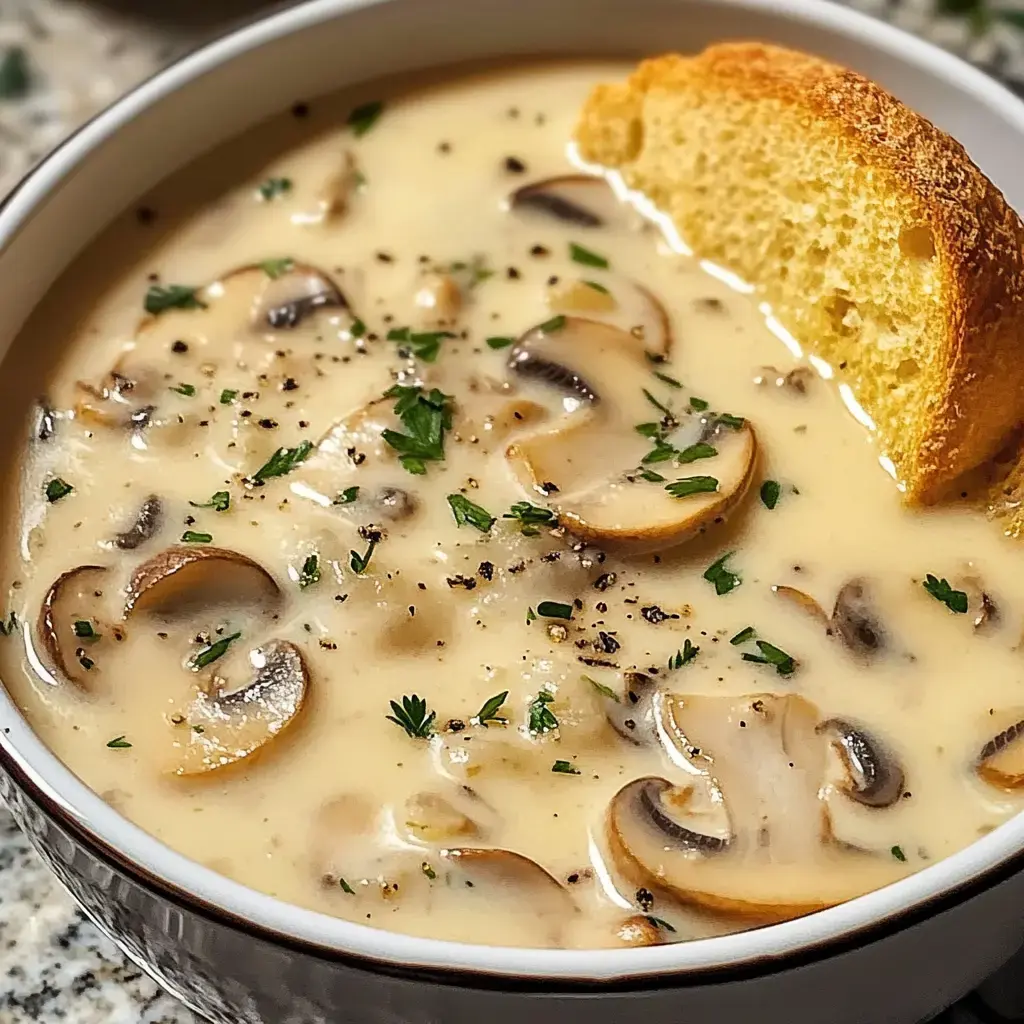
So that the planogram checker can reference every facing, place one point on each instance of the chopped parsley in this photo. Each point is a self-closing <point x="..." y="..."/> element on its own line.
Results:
<point x="659" y="922"/>
<point x="227" y="396"/>
<point x="364" y="117"/>
<point x="425" y="417"/>
<point x="605" y="691"/>
<point x="542" y="718"/>
<point x="660" y="406"/>
<point x="188" y="390"/>
<point x="358" y="562"/>
<point x="565" y="768"/>
<point x="220" y="501"/>
<point x="954" y="600"/>
<point x="650" y="476"/>
<point x="15" y="80"/>
<point x="692" y="485"/>
<point x="728" y="420"/>
<point x="192" y="537"/>
<point x="586" y="257"/>
<point x="358" y="328"/>
<point x="211" y="652"/>
<point x="597" y="287"/>
<point x="697" y="404"/>
<point x="685" y="656"/>
<point x="411" y="715"/>
<point x="693" y="452"/>
<point x="745" y="634"/>
<point x="424" y="345"/>
<point x="275" y="268"/>
<point x="476" y="268"/>
<point x="428" y="871"/>
<point x="56" y="489"/>
<point x="500" y="342"/>
<point x="785" y="664"/>
<point x="347" y="496"/>
<point x="83" y="628"/>
<point x="7" y="628"/>
<point x="345" y="887"/>
<point x="770" y="491"/>
<point x="554" y="610"/>
<point x="160" y="298"/>
<point x="721" y="577"/>
<point x="664" y="452"/>
<point x="274" y="187"/>
<point x="465" y="511"/>
<point x="666" y="379"/>
<point x="284" y="460"/>
<point x="530" y="517"/>
<point x="531" y="616"/>
<point x="119" y="743"/>
<point x="489" y="712"/>
<point x="310" y="572"/>
<point x="897" y="852"/>
<point x="556" y="323"/>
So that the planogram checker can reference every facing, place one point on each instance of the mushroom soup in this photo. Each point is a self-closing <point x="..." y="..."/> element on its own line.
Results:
<point x="414" y="532"/>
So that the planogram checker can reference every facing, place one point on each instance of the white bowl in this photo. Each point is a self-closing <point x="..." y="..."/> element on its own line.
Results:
<point x="897" y="955"/>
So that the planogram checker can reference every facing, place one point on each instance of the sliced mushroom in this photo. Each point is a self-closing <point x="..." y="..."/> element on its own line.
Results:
<point x="764" y="854"/>
<point x="516" y="875"/>
<point x="873" y="776"/>
<point x="855" y="620"/>
<point x="432" y="818"/>
<point x="638" y="930"/>
<point x="181" y="580"/>
<point x="291" y="297"/>
<point x="1001" y="761"/>
<point x="230" y="727"/>
<point x="70" y="598"/>
<point x="145" y="526"/>
<point x="803" y="601"/>
<point x="577" y="199"/>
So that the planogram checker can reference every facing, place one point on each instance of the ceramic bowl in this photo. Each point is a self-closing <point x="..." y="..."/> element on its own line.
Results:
<point x="896" y="956"/>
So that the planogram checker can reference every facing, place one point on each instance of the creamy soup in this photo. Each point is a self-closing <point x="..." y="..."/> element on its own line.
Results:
<point x="415" y="531"/>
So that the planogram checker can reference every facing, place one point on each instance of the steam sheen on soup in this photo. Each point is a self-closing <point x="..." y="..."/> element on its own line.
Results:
<point x="414" y="531"/>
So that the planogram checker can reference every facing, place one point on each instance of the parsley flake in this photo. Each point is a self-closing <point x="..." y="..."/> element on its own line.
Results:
<point x="364" y="117"/>
<point x="345" y="887"/>
<point x="275" y="268"/>
<point x="770" y="491"/>
<point x="465" y="511"/>
<point x="685" y="656"/>
<point x="358" y="562"/>
<point x="227" y="396"/>
<point x="554" y="610"/>
<point x="56" y="489"/>
<point x="698" y="404"/>
<point x="15" y="80"/>
<point x="192" y="537"/>
<point x="589" y="259"/>
<point x="84" y="629"/>
<point x="556" y="323"/>
<point x="897" y="852"/>
<point x="274" y="187"/>
<point x="489" y="712"/>
<point x="411" y="715"/>
<point x="283" y="461"/>
<point x="347" y="496"/>
<point x="721" y="577"/>
<point x="689" y="485"/>
<point x="954" y="600"/>
<point x="211" y="652"/>
<point x="160" y="298"/>
<point x="188" y="390"/>
<point x="542" y="718"/>
<point x="605" y="691"/>
<point x="785" y="664"/>
<point x="220" y="501"/>
<point x="425" y="417"/>
<point x="530" y="517"/>
<point x="500" y="342"/>
<point x="745" y="634"/>
<point x="119" y="743"/>
<point x="423" y="345"/>
<point x="565" y="768"/>
<point x="310" y="572"/>
<point x="666" y="379"/>
<point x="597" y="287"/>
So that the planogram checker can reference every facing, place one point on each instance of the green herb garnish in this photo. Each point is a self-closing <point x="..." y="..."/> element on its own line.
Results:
<point x="660" y="406"/>
<point x="784" y="663"/>
<point x="188" y="390"/>
<point x="897" y="852"/>
<point x="411" y="715"/>
<point x="192" y="537"/>
<point x="693" y="452"/>
<point x="770" y="491"/>
<point x="745" y="634"/>
<point x="283" y="461"/>
<point x="424" y="345"/>
<point x="605" y="691"/>
<point x="500" y="342"/>
<point x="274" y="187"/>
<point x="565" y="768"/>
<point x="597" y="287"/>
<point x="358" y="328"/>
<point x="211" y="652"/>
<point x="586" y="257"/>
<point x="345" y="887"/>
<point x="650" y="476"/>
<point x="425" y="417"/>
<point x="556" y="323"/>
<point x="466" y="511"/>
<point x="666" y="379"/>
<point x="698" y="404"/>
<point x="360" y="562"/>
<point x="685" y="656"/>
<point x="56" y="489"/>
<point x="219" y="502"/>
<point x="364" y="117"/>
<point x="530" y="517"/>
<point x="722" y="578"/>
<point x="160" y="298"/>
<point x="118" y="743"/>
<point x="227" y="396"/>
<point x="489" y="712"/>
<point x="659" y="922"/>
<point x="542" y="718"/>
<point x="310" y="572"/>
<point x="15" y="80"/>
<point x="275" y="268"/>
<point x="347" y="496"/>
<point x="531" y="616"/>
<point x="84" y="629"/>
<point x="692" y="485"/>
<point x="554" y="610"/>
<point x="954" y="600"/>
<point x="428" y="871"/>
<point x="727" y="420"/>
<point x="477" y="268"/>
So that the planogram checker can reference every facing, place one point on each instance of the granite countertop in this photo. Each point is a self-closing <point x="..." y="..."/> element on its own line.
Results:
<point x="60" y="62"/>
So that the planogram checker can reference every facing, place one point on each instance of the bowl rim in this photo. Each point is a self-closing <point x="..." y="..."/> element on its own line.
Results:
<point x="125" y="847"/>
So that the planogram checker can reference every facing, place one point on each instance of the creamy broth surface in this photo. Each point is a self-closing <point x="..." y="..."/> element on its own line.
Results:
<point x="836" y="755"/>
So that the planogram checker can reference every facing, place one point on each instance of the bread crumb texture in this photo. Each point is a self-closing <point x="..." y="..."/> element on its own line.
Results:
<point x="878" y="243"/>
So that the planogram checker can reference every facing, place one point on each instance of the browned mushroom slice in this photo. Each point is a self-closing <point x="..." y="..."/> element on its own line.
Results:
<point x="181" y="580"/>
<point x="230" y="727"/>
<point x="586" y="459"/>
<point x="639" y="930"/>
<point x="289" y="298"/>
<point x="577" y="199"/>
<point x="71" y="598"/>
<point x="512" y="873"/>
<point x="855" y="620"/>
<point x="145" y="526"/>
<point x="873" y="775"/>
<point x="803" y="601"/>
<point x="774" y="860"/>
<point x="1001" y="760"/>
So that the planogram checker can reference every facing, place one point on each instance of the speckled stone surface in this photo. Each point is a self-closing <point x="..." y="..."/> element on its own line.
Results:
<point x="55" y="967"/>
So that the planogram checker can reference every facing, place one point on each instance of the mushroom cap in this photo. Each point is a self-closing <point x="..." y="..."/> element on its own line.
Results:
<point x="1000" y="761"/>
<point x="230" y="727"/>
<point x="67" y="599"/>
<point x="182" y="579"/>
<point x="581" y="200"/>
<point x="582" y="460"/>
<point x="872" y="772"/>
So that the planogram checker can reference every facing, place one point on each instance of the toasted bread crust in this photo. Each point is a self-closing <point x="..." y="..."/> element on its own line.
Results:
<point x="978" y="239"/>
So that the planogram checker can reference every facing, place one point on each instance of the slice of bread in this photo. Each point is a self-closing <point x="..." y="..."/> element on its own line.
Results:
<point x="878" y="243"/>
